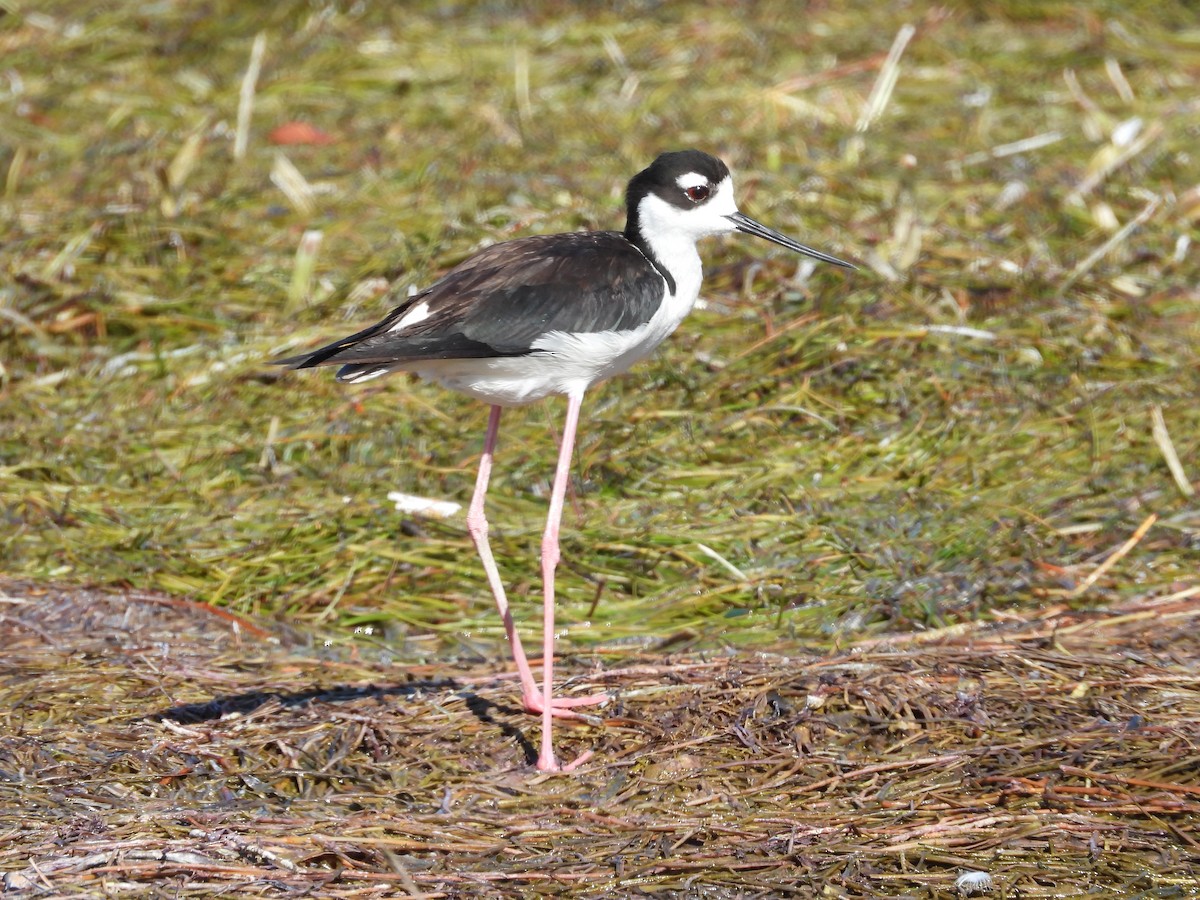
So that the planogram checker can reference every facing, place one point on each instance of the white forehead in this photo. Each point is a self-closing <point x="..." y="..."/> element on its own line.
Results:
<point x="691" y="180"/>
<point x="722" y="201"/>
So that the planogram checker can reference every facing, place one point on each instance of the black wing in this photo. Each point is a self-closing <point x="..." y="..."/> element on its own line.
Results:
<point x="501" y="300"/>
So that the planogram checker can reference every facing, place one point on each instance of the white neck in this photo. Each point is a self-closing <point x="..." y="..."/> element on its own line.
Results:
<point x="676" y="253"/>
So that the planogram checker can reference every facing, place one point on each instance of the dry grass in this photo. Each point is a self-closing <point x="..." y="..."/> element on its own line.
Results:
<point x="153" y="748"/>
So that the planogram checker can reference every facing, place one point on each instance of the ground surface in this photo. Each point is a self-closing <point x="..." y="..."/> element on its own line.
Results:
<point x="153" y="748"/>
<point x="987" y="434"/>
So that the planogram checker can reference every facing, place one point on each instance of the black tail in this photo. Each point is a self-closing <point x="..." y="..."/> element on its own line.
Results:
<point x="324" y="356"/>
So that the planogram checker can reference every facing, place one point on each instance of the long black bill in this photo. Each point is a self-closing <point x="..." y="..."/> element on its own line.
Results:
<point x="747" y="225"/>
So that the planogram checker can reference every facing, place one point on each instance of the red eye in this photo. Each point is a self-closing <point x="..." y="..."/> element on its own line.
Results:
<point x="697" y="193"/>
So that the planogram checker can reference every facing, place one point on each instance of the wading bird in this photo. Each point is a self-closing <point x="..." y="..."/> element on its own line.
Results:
<point x="555" y="314"/>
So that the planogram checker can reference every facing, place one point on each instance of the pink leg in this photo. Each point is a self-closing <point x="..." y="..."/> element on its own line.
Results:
<point x="550" y="556"/>
<point x="478" y="527"/>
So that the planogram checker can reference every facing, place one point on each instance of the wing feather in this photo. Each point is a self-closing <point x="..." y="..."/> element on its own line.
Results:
<point x="501" y="300"/>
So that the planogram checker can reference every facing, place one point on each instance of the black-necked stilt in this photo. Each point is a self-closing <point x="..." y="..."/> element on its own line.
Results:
<point x="554" y="314"/>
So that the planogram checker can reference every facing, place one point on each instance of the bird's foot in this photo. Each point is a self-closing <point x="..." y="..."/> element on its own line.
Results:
<point x="562" y="707"/>
<point x="550" y="764"/>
